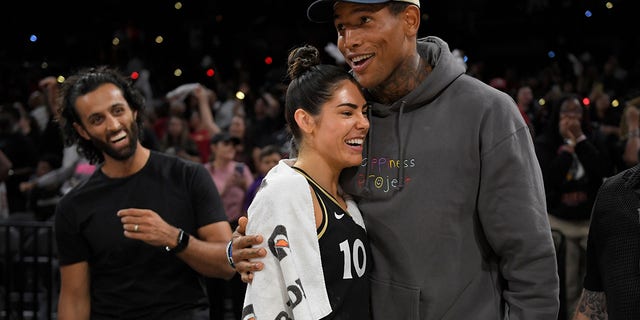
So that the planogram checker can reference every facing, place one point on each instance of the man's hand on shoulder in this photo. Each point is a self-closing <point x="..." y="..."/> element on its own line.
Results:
<point x="242" y="251"/>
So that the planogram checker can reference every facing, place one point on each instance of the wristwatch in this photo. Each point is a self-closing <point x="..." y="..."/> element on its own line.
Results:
<point x="183" y="241"/>
<point x="569" y="142"/>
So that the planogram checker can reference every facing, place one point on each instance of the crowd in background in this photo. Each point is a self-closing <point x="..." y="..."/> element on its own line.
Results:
<point x="583" y="116"/>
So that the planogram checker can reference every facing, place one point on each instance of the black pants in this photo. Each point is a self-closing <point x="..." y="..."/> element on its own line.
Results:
<point x="220" y="290"/>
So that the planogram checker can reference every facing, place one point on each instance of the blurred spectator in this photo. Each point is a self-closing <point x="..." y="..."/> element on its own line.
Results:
<point x="238" y="130"/>
<point x="226" y="107"/>
<point x="529" y="109"/>
<point x="74" y="169"/>
<point x="38" y="108"/>
<point x="499" y="83"/>
<point x="42" y="200"/>
<point x="21" y="151"/>
<point x="613" y="75"/>
<point x="5" y="168"/>
<point x="178" y="141"/>
<point x="168" y="108"/>
<point x="573" y="169"/>
<point x="51" y="140"/>
<point x="629" y="142"/>
<point x="28" y="125"/>
<point x="266" y="122"/>
<point x="606" y="120"/>
<point x="268" y="157"/>
<point x="201" y="122"/>
<point x="232" y="179"/>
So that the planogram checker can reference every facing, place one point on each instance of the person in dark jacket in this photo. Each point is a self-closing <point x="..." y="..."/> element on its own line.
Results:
<point x="574" y="162"/>
<point x="612" y="284"/>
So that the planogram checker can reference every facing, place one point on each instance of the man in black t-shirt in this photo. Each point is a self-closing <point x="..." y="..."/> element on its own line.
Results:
<point x="135" y="238"/>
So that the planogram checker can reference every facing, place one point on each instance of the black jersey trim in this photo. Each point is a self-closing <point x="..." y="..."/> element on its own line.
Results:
<point x="319" y="187"/>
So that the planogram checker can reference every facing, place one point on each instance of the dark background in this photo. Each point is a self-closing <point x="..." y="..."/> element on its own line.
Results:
<point x="234" y="37"/>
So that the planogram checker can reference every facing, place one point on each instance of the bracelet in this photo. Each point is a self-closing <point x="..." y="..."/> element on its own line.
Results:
<point x="183" y="241"/>
<point x="229" y="254"/>
<point x="634" y="133"/>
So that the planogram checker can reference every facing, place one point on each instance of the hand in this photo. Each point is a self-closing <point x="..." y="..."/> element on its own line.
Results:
<point x="201" y="93"/>
<point x="26" y="186"/>
<point x="238" y="179"/>
<point x="242" y="251"/>
<point x="575" y="128"/>
<point x="567" y="127"/>
<point x="148" y="226"/>
<point x="47" y="82"/>
<point x="563" y="127"/>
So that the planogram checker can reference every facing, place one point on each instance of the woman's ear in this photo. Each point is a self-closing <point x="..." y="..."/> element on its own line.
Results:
<point x="305" y="121"/>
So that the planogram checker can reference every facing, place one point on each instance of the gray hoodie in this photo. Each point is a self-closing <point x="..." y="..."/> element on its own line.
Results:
<point x="453" y="200"/>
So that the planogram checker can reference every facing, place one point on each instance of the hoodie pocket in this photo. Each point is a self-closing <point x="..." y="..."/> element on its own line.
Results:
<point x="393" y="301"/>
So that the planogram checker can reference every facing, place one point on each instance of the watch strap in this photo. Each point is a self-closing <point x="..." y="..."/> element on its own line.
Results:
<point x="183" y="241"/>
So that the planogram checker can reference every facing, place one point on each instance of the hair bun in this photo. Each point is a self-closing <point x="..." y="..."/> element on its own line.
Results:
<point x="302" y="60"/>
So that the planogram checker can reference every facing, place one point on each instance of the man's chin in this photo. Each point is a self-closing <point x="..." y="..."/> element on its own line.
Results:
<point x="122" y="154"/>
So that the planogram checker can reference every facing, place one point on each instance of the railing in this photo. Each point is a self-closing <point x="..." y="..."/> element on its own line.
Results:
<point x="28" y="270"/>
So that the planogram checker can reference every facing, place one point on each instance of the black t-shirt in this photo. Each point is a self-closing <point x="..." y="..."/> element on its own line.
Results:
<point x="129" y="278"/>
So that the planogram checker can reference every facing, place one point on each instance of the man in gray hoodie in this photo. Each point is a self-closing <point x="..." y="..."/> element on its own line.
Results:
<point x="450" y="187"/>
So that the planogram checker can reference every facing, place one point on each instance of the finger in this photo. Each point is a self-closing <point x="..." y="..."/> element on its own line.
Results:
<point x="132" y="234"/>
<point x="125" y="213"/>
<point x="246" y="266"/>
<point x="246" y="277"/>
<point x="241" y="243"/>
<point x="132" y="227"/>
<point x="246" y="254"/>
<point x="130" y="220"/>
<point x="131" y="212"/>
<point x="242" y="225"/>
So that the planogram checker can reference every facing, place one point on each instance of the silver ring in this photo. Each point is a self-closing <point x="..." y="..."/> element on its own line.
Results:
<point x="135" y="228"/>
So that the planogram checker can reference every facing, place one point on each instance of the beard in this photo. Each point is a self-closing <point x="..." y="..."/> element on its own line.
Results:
<point x="122" y="153"/>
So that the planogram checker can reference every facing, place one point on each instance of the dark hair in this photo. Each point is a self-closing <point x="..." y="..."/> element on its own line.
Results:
<point x="86" y="81"/>
<point x="552" y="134"/>
<point x="312" y="84"/>
<point x="269" y="150"/>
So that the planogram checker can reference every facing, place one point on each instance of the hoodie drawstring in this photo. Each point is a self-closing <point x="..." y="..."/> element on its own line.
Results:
<point x="367" y="185"/>
<point x="400" y="146"/>
<point x="367" y="171"/>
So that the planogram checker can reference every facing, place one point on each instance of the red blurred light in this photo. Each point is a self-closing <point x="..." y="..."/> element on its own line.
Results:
<point x="210" y="72"/>
<point x="135" y="75"/>
<point x="268" y="60"/>
<point x="586" y="101"/>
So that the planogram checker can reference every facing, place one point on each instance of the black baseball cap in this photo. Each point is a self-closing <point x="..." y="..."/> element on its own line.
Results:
<point x="322" y="10"/>
<point x="224" y="137"/>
